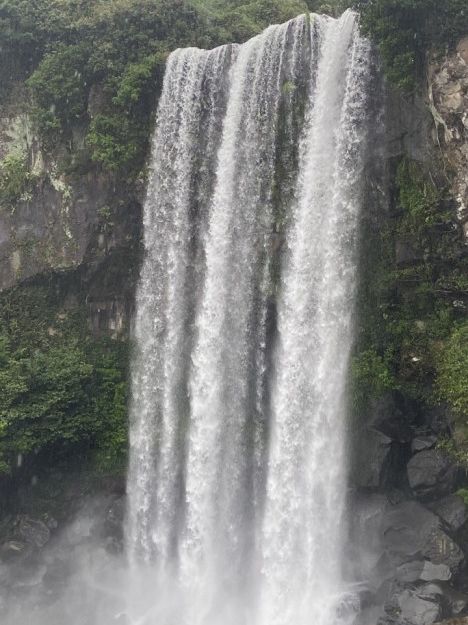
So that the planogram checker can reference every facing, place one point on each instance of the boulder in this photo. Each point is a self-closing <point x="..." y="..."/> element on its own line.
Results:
<point x="415" y="610"/>
<point x="420" y="443"/>
<point x="33" y="532"/>
<point x="368" y="514"/>
<point x="411" y="532"/>
<point x="435" y="572"/>
<point x="430" y="473"/>
<point x="374" y="458"/>
<point x="423" y="570"/>
<point x="455" y="601"/>
<point x="392" y="417"/>
<point x="452" y="510"/>
<point x="13" y="549"/>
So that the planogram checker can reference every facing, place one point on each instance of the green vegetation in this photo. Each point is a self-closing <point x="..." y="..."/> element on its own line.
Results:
<point x="406" y="31"/>
<point x="372" y="376"/>
<point x="452" y="368"/>
<point x="98" y="65"/>
<point x="75" y="53"/>
<point x="61" y="390"/>
<point x="15" y="179"/>
<point x="412" y="333"/>
<point x="463" y="493"/>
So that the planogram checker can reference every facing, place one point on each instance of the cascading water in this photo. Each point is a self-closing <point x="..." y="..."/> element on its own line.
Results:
<point x="244" y="328"/>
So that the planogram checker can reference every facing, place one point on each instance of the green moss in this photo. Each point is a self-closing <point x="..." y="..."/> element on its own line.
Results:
<point x="16" y="179"/>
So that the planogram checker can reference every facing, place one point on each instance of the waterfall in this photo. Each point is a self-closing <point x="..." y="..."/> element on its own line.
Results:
<point x="243" y="331"/>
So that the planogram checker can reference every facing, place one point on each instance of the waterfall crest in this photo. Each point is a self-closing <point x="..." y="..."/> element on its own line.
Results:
<point x="243" y="329"/>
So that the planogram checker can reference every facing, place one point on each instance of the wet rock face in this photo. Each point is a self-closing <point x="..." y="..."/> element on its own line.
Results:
<point x="452" y="510"/>
<point x="417" y="609"/>
<point x="448" y="90"/>
<point x="430" y="472"/>
<point x="40" y="558"/>
<point x="411" y="533"/>
<point x="412" y="562"/>
<point x="87" y="222"/>
<point x="408" y="531"/>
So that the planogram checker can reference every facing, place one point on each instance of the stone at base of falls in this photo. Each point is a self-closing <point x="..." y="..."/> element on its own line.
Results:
<point x="33" y="531"/>
<point x="371" y="466"/>
<point x="423" y="570"/>
<point x="420" y="443"/>
<point x="452" y="510"/>
<point x="431" y="473"/>
<point x="23" y="536"/>
<point x="410" y="531"/>
<point x="415" y="610"/>
<point x="411" y="560"/>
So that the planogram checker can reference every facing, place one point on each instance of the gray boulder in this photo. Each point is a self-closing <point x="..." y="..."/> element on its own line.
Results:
<point x="33" y="532"/>
<point x="416" y="610"/>
<point x="454" y="600"/>
<point x="411" y="532"/>
<point x="13" y="549"/>
<point x="420" y="443"/>
<point x="452" y="510"/>
<point x="431" y="472"/>
<point x="423" y="570"/>
<point x="373" y="457"/>
<point x="435" y="572"/>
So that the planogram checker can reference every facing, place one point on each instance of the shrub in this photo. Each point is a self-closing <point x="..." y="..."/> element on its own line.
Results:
<point x="452" y="368"/>
<point x="63" y="392"/>
<point x="15" y="179"/>
<point x="406" y="30"/>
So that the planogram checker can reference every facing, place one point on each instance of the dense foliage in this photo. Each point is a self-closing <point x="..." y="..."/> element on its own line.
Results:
<point x="99" y="64"/>
<point x="15" y="179"/>
<point x="452" y="366"/>
<point x="412" y="329"/>
<point x="60" y="389"/>
<point x="406" y="31"/>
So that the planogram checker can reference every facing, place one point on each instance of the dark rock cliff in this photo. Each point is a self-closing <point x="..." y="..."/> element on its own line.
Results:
<point x="87" y="226"/>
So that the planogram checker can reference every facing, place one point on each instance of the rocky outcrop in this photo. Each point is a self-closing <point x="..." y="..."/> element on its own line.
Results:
<point x="70" y="217"/>
<point x="448" y="96"/>
<point x="408" y="521"/>
<point x="414" y="563"/>
<point x="40" y="556"/>
<point x="430" y="473"/>
<point x="452" y="510"/>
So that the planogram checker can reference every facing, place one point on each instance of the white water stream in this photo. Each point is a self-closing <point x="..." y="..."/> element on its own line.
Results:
<point x="237" y="481"/>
